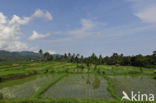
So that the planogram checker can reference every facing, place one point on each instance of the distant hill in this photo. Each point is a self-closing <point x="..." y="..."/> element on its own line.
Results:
<point x="21" y="56"/>
<point x="18" y="56"/>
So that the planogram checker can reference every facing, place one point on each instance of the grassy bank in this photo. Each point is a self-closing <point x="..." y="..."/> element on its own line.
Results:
<point x="65" y="100"/>
<point x="28" y="69"/>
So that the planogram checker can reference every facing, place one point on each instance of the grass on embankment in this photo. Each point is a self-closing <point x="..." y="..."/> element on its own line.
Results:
<point x="19" y="70"/>
<point x="65" y="100"/>
<point x="111" y="88"/>
<point x="124" y="70"/>
<point x="26" y="70"/>
<point x="59" y="100"/>
<point x="43" y="89"/>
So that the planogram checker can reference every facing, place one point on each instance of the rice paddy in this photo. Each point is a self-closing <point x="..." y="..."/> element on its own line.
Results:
<point x="66" y="82"/>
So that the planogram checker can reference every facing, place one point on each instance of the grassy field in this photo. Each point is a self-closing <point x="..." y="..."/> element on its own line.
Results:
<point x="61" y="82"/>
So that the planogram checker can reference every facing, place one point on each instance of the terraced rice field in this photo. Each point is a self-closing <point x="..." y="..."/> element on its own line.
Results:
<point x="79" y="86"/>
<point x="26" y="89"/>
<point x="66" y="82"/>
<point x="128" y="83"/>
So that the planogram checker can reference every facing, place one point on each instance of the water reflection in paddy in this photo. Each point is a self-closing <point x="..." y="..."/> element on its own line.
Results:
<point x="79" y="86"/>
<point x="143" y="84"/>
<point x="24" y="87"/>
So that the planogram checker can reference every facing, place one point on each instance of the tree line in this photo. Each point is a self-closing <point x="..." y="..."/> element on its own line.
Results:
<point x="115" y="59"/>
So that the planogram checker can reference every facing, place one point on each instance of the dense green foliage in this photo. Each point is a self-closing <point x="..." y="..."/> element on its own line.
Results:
<point x="115" y="59"/>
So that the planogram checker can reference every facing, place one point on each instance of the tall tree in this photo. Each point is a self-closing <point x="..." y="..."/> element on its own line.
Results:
<point x="138" y="60"/>
<point x="40" y="52"/>
<point x="94" y="59"/>
<point x="46" y="56"/>
<point x="154" y="58"/>
<point x="115" y="58"/>
<point x="81" y="59"/>
<point x="100" y="59"/>
<point x="154" y="53"/>
<point x="65" y="57"/>
<point x="69" y="55"/>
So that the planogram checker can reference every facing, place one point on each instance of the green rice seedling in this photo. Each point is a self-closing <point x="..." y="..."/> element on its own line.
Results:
<point x="79" y="86"/>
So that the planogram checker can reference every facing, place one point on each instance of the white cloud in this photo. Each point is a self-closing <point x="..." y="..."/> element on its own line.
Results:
<point x="147" y="15"/>
<point x="88" y="28"/>
<point x="10" y="30"/>
<point x="49" y="51"/>
<point x="145" y="10"/>
<point x="18" y="20"/>
<point x="40" y="14"/>
<point x="36" y="35"/>
<point x="86" y="25"/>
<point x="52" y="52"/>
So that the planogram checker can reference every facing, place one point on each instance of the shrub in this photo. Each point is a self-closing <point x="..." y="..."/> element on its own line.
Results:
<point x="95" y="67"/>
<point x="103" y="72"/>
<point x="80" y="66"/>
<point x="98" y="71"/>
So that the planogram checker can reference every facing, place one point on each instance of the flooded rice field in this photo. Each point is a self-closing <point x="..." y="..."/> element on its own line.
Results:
<point x="79" y="86"/>
<point x="141" y="83"/>
<point x="25" y="87"/>
<point x="83" y="85"/>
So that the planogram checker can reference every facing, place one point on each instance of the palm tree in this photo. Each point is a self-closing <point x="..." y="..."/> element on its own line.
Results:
<point x="100" y="59"/>
<point x="154" y="52"/>
<point x="65" y="56"/>
<point x="69" y="55"/>
<point x="46" y="56"/>
<point x="81" y="60"/>
<point x="40" y="51"/>
<point x="78" y="55"/>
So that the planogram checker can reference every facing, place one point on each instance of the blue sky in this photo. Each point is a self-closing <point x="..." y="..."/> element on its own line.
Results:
<point x="79" y="26"/>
